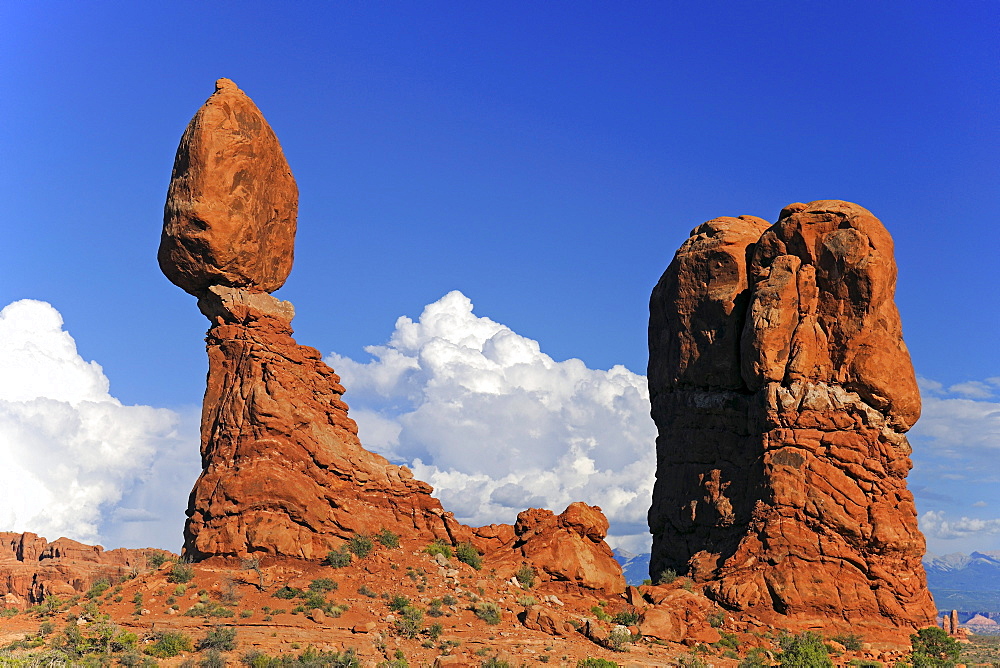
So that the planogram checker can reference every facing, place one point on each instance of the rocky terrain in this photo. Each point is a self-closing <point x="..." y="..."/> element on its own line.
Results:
<point x="780" y="516"/>
<point x="781" y="389"/>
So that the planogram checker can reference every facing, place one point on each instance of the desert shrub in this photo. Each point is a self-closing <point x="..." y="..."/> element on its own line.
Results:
<point x="338" y="558"/>
<point x="360" y="545"/>
<point x="850" y="641"/>
<point x="45" y="628"/>
<point x="287" y="593"/>
<point x="323" y="585"/>
<point x="755" y="658"/>
<point x="387" y="538"/>
<point x="627" y="617"/>
<point x="98" y="588"/>
<point x="619" y="639"/>
<point x="717" y="619"/>
<point x="212" y="659"/>
<point x="364" y="590"/>
<point x="409" y="622"/>
<point x="170" y="643"/>
<point x="526" y="576"/>
<point x="495" y="662"/>
<point x="595" y="662"/>
<point x="439" y="547"/>
<point x="487" y="611"/>
<point x="221" y="638"/>
<point x="468" y="554"/>
<point x="666" y="576"/>
<point x="434" y="608"/>
<point x="805" y="650"/>
<point x="728" y="640"/>
<point x="527" y="601"/>
<point x="181" y="573"/>
<point x="398" y="602"/>
<point x="934" y="648"/>
<point x="867" y="663"/>
<point x="600" y="614"/>
<point x="435" y="630"/>
<point x="156" y="559"/>
<point x="448" y="599"/>
<point x="104" y="637"/>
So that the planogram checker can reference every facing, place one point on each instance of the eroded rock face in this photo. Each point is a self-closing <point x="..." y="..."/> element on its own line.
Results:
<point x="232" y="203"/>
<point x="781" y="389"/>
<point x="31" y="568"/>
<point x="284" y="473"/>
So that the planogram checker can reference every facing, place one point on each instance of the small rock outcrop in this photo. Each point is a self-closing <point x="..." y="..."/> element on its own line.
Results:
<point x="32" y="568"/>
<point x="284" y="473"/>
<point x="781" y="389"/>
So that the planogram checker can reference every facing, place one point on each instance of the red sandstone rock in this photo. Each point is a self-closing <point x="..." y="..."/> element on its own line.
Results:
<point x="284" y="473"/>
<point x="781" y="403"/>
<point x="32" y="568"/>
<point x="232" y="202"/>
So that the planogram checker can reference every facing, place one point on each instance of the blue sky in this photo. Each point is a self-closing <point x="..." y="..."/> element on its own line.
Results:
<point x="544" y="159"/>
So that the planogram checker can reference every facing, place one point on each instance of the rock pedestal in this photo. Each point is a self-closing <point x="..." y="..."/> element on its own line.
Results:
<point x="781" y="389"/>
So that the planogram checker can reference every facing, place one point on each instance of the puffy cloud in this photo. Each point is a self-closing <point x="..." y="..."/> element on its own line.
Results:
<point x="935" y="524"/>
<point x="69" y="451"/>
<point x="497" y="426"/>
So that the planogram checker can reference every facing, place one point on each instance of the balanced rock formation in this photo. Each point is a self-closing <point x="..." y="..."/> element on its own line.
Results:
<point x="284" y="473"/>
<point x="232" y="204"/>
<point x="781" y="389"/>
<point x="32" y="569"/>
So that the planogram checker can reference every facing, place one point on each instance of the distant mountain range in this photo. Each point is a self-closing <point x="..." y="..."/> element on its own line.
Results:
<point x="635" y="567"/>
<point x="967" y="582"/>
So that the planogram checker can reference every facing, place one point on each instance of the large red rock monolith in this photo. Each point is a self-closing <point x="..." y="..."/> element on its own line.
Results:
<point x="781" y="389"/>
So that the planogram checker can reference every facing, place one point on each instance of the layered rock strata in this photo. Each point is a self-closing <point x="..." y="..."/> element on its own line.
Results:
<point x="781" y="389"/>
<point x="284" y="473"/>
<point x="32" y="568"/>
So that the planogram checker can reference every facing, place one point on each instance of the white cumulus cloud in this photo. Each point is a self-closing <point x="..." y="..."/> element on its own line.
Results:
<point x="935" y="524"/>
<point x="69" y="450"/>
<point x="497" y="426"/>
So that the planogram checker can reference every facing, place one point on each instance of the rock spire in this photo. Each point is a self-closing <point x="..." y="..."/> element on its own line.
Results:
<point x="781" y="389"/>
<point x="284" y="472"/>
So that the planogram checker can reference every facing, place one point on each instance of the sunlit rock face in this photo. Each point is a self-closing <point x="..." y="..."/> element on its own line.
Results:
<point x="284" y="472"/>
<point x="781" y="389"/>
<point x="232" y="204"/>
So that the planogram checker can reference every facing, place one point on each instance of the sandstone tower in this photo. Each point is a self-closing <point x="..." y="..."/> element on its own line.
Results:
<point x="781" y="390"/>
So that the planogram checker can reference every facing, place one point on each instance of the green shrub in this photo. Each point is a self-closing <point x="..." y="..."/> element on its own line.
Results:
<point x="156" y="559"/>
<point x="755" y="658"/>
<point x="526" y="576"/>
<point x="934" y="648"/>
<point x="409" y="622"/>
<point x="439" y="547"/>
<point x="398" y="602"/>
<point x="323" y="585"/>
<point x="728" y="640"/>
<point x="667" y="576"/>
<point x="805" y="650"/>
<point x="595" y="662"/>
<point x="181" y="573"/>
<point x="487" y="611"/>
<point x="212" y="659"/>
<point x="220" y="638"/>
<point x="361" y="545"/>
<point x="387" y="538"/>
<point x="435" y="630"/>
<point x="434" y="608"/>
<point x="600" y="614"/>
<point x="365" y="591"/>
<point x="468" y="554"/>
<point x="168" y="644"/>
<point x="619" y="639"/>
<point x="287" y="592"/>
<point x="98" y="588"/>
<point x="527" y="601"/>
<point x="865" y="663"/>
<point x="448" y="599"/>
<point x="629" y="617"/>
<point x="338" y="558"/>
<point x="692" y="661"/>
